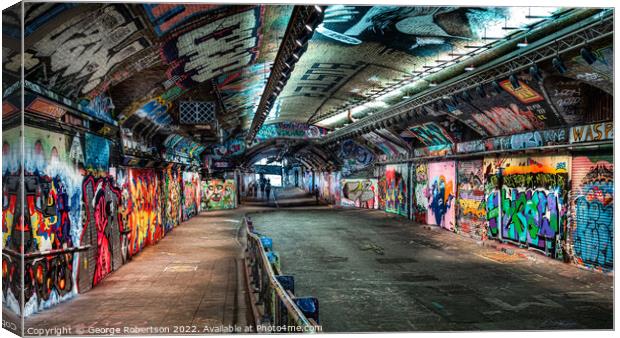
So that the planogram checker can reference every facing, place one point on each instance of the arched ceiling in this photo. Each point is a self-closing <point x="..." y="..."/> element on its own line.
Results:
<point x="151" y="67"/>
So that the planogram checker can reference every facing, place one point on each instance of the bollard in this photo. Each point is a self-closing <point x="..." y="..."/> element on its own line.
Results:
<point x="267" y="243"/>
<point x="309" y="306"/>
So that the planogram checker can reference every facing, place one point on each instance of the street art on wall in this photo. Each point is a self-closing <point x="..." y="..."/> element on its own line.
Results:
<point x="173" y="201"/>
<point x="81" y="51"/>
<point x="101" y="231"/>
<point x="388" y="148"/>
<point x="140" y="209"/>
<point x="97" y="152"/>
<point x="183" y="150"/>
<point x="52" y="219"/>
<point x="420" y="192"/>
<point x="191" y="194"/>
<point x="397" y="193"/>
<point x="354" y="156"/>
<point x="166" y="17"/>
<point x="592" y="132"/>
<point x="289" y="130"/>
<point x="441" y="194"/>
<point x="232" y="147"/>
<point x="190" y="52"/>
<point x="528" y="140"/>
<point x="529" y="207"/>
<point x="592" y="235"/>
<point x="218" y="194"/>
<point x="471" y="211"/>
<point x="360" y="193"/>
<point x="429" y="134"/>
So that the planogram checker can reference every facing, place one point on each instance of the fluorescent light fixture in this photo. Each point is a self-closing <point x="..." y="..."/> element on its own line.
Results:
<point x="469" y="68"/>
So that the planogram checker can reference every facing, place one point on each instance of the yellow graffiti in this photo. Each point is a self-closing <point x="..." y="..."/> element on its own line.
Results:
<point x="472" y="207"/>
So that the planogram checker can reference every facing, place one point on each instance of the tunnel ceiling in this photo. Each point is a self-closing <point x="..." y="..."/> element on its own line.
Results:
<point x="195" y="73"/>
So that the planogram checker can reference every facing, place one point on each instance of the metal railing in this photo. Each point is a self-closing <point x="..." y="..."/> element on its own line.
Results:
<point x="275" y="307"/>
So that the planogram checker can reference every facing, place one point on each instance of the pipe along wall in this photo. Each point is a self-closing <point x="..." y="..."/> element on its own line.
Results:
<point x="560" y="205"/>
<point x="80" y="225"/>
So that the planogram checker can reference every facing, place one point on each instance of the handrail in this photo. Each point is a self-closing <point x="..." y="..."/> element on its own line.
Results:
<point x="280" y="313"/>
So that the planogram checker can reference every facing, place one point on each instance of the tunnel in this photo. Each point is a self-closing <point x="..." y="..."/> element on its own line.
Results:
<point x="211" y="168"/>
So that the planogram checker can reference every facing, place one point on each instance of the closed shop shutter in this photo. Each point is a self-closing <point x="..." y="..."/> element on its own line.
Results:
<point x="591" y="235"/>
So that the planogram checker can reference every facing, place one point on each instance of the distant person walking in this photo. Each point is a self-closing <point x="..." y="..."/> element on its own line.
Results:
<point x="268" y="189"/>
<point x="316" y="194"/>
<point x="262" y="188"/>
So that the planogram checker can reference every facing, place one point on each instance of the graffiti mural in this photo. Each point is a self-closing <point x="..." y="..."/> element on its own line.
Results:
<point x="191" y="195"/>
<point x="97" y="153"/>
<point x="471" y="213"/>
<point x="289" y="130"/>
<point x="354" y="156"/>
<point x="592" y="237"/>
<point x="102" y="231"/>
<point x="166" y="17"/>
<point x="397" y="193"/>
<point x="388" y="148"/>
<point x="429" y="134"/>
<point x="140" y="209"/>
<point x="194" y="54"/>
<point x="526" y="201"/>
<point x="52" y="219"/>
<point x="420" y="192"/>
<point x="360" y="193"/>
<point x="441" y="194"/>
<point x="82" y="50"/>
<point x="173" y="201"/>
<point x="218" y="194"/>
<point x="592" y="132"/>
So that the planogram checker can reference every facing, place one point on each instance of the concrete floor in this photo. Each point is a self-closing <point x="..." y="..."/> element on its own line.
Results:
<point x="191" y="279"/>
<point x="372" y="271"/>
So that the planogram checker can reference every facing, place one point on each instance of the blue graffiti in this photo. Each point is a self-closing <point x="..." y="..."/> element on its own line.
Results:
<point x="593" y="236"/>
<point x="440" y="203"/>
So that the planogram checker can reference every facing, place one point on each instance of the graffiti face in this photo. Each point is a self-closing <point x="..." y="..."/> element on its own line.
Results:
<point x="172" y="191"/>
<point x="218" y="194"/>
<point x="593" y="188"/>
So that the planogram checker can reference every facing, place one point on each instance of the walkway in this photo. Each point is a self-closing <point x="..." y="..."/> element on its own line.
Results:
<point x="373" y="271"/>
<point x="191" y="279"/>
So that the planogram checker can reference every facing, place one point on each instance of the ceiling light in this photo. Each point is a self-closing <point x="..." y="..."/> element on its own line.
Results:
<point x="523" y="43"/>
<point x="432" y="84"/>
<point x="535" y="73"/>
<point x="514" y="81"/>
<point x="309" y="28"/>
<point x="469" y="68"/>
<point x="558" y="64"/>
<point x="587" y="55"/>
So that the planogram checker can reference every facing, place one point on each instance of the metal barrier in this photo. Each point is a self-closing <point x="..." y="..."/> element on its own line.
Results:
<point x="272" y="294"/>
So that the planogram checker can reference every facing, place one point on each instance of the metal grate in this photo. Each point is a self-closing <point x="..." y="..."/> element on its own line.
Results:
<point x="197" y="112"/>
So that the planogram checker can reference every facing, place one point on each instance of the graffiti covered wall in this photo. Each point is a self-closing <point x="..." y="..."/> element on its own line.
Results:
<point x="420" y="192"/>
<point x="173" y="201"/>
<point x="592" y="228"/>
<point x="526" y="201"/>
<point x="360" y="193"/>
<point x="441" y="194"/>
<point x="218" y="194"/>
<point x="141" y="209"/>
<point x="471" y="213"/>
<point x="52" y="219"/>
<point x="397" y="192"/>
<point x="191" y="195"/>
